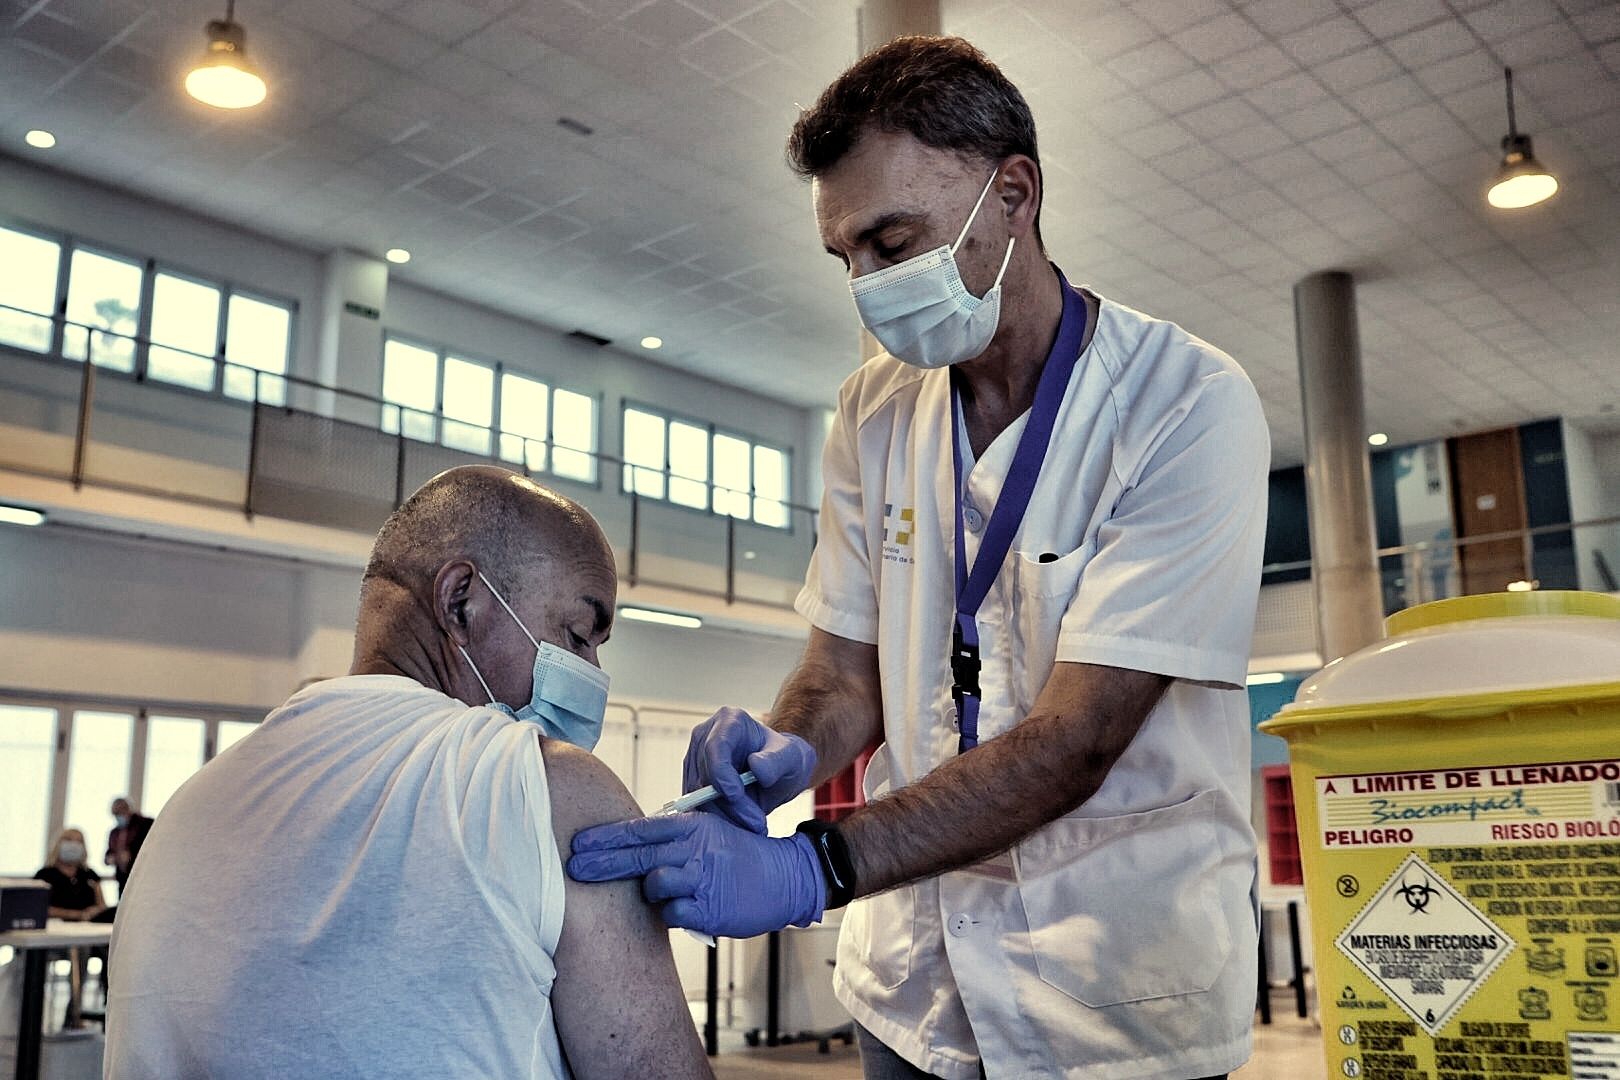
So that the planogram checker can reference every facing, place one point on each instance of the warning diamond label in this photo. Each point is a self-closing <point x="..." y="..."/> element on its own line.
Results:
<point x="1425" y="945"/>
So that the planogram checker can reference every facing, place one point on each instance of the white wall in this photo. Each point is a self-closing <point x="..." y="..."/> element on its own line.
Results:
<point x="146" y="621"/>
<point x="1592" y="459"/>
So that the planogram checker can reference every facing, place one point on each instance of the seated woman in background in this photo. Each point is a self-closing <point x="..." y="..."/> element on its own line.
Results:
<point x="76" y="897"/>
<point x="75" y="888"/>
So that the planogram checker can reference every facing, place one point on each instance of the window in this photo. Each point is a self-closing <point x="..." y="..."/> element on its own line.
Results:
<point x="232" y="732"/>
<point x="103" y="310"/>
<point x="771" y="485"/>
<point x="469" y="405"/>
<point x="693" y="465"/>
<point x="174" y="750"/>
<point x="410" y="380"/>
<point x="573" y="426"/>
<point x="98" y="772"/>
<point x="27" y="745"/>
<point x="731" y="479"/>
<point x="258" y="340"/>
<point x="689" y="465"/>
<point x="29" y="285"/>
<point x="540" y="428"/>
<point x="525" y="421"/>
<point x="185" y="332"/>
<point x="644" y="453"/>
<point x="104" y="296"/>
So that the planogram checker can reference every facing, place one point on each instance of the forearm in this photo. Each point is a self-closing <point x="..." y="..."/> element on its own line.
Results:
<point x="833" y="704"/>
<point x="982" y="803"/>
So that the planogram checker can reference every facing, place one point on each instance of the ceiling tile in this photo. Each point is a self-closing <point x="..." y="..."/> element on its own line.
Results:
<point x="1422" y="48"/>
<point x="1184" y="92"/>
<point x="1544" y="42"/>
<point x="1387" y="18"/>
<point x="1149" y="64"/>
<point x="722" y="54"/>
<point x="1360" y="68"/>
<point x="668" y="23"/>
<point x="1170" y="16"/>
<point x="1219" y="37"/>
<point x="1326" y="40"/>
<point x="1508" y="18"/>
<point x="1279" y="17"/>
<point x="1253" y="67"/>
<point x="1286" y="95"/>
<point x="1389" y="96"/>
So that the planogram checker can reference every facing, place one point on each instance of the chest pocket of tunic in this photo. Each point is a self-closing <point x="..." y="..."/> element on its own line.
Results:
<point x="1042" y="593"/>
<point x="1127" y="908"/>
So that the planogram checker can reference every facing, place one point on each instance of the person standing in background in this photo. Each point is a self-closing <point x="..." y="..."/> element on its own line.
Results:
<point x="124" y="842"/>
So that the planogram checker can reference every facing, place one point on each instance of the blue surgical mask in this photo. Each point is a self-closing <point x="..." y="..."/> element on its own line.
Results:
<point x="569" y="698"/>
<point x="920" y="311"/>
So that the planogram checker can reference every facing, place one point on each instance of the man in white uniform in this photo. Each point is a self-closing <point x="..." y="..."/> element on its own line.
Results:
<point x="371" y="883"/>
<point x="1035" y="584"/>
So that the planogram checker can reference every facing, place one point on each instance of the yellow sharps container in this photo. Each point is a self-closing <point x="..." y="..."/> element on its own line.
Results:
<point x="1457" y="788"/>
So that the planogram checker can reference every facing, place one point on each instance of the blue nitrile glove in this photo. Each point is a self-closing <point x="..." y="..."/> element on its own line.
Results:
<point x="706" y="873"/>
<point x="729" y="742"/>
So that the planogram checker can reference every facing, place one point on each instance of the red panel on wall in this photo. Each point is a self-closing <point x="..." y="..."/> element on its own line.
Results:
<point x="1282" y="834"/>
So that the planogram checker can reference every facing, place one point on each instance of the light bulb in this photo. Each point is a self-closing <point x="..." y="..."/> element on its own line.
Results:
<point x="1521" y="190"/>
<point x="225" y="87"/>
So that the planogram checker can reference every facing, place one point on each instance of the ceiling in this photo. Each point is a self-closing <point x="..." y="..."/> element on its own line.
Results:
<point x="1201" y="156"/>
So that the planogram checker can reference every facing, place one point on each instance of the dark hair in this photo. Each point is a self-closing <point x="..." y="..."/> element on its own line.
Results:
<point x="942" y="91"/>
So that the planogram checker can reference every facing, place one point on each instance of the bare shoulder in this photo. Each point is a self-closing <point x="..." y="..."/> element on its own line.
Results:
<point x="584" y="791"/>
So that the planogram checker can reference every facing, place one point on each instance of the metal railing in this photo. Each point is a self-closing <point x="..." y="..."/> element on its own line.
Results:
<point x="1572" y="555"/>
<point x="286" y="450"/>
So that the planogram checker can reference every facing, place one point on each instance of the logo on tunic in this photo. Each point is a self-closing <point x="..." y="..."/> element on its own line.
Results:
<point x="899" y="525"/>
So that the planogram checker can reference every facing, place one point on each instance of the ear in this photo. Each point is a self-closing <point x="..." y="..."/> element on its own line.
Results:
<point x="453" y="600"/>
<point x="1020" y="194"/>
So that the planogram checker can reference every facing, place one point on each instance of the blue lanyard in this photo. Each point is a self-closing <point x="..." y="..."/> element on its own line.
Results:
<point x="973" y="586"/>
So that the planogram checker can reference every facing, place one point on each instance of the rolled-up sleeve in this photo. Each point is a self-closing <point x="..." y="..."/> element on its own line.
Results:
<point x="839" y="595"/>
<point x="1173" y="585"/>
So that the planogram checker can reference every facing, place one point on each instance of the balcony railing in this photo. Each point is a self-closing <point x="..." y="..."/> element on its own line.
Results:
<point x="288" y="447"/>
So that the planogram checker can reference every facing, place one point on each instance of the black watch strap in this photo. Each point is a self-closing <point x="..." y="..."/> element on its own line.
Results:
<point x="836" y="865"/>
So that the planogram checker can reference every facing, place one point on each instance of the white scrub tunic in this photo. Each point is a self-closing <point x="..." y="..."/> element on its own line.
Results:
<point x="1118" y="941"/>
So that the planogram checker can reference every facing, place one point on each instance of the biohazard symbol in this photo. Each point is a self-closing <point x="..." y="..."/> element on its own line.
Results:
<point x="1417" y="896"/>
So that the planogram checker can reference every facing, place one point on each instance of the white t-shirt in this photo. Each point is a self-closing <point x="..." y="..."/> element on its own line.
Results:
<point x="365" y="886"/>
<point x="1118" y="940"/>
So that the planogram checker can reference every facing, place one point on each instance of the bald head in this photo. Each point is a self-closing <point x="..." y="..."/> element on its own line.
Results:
<point x="503" y="523"/>
<point x="424" y="597"/>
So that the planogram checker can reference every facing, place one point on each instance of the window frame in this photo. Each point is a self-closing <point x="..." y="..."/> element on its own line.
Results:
<point x="669" y="417"/>
<point x="68" y="706"/>
<point x="500" y="370"/>
<point x="68" y="243"/>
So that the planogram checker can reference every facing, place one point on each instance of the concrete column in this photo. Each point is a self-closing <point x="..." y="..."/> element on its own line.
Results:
<point x="878" y="22"/>
<point x="354" y="293"/>
<point x="1338" y="482"/>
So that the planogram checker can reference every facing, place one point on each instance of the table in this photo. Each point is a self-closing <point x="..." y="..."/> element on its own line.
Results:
<point x="35" y="946"/>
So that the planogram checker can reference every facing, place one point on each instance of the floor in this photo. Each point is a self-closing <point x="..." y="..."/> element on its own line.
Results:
<point x="1287" y="1049"/>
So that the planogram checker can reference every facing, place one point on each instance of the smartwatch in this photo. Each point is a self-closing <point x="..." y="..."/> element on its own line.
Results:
<point x="836" y="865"/>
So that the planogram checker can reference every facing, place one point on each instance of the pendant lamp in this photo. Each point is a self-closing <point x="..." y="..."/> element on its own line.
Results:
<point x="224" y="78"/>
<point x="1521" y="181"/>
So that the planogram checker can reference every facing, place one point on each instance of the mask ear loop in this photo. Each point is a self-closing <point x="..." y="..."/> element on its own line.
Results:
<point x="1011" y="240"/>
<point x="502" y="600"/>
<point x="476" y="673"/>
